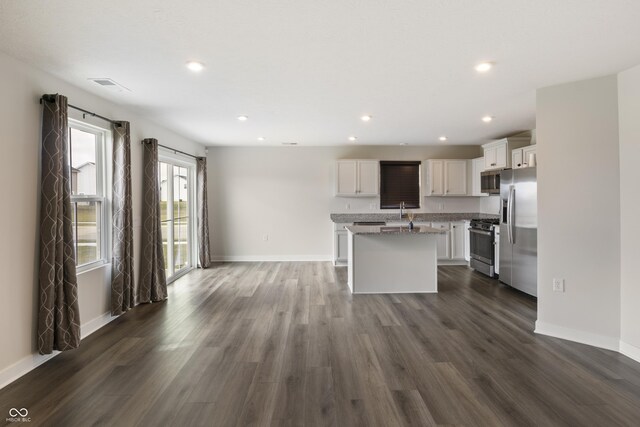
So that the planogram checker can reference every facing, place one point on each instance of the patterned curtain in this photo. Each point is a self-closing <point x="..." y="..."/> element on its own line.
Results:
<point x="122" y="278"/>
<point x="153" y="282"/>
<point x="58" y="311"/>
<point x="204" y="256"/>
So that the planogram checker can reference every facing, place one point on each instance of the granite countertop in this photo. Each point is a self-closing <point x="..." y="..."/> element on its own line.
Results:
<point x="384" y="229"/>
<point x="418" y="217"/>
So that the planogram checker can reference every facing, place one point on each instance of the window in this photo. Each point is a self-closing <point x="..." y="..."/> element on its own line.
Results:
<point x="86" y="157"/>
<point x="399" y="182"/>
<point x="177" y="180"/>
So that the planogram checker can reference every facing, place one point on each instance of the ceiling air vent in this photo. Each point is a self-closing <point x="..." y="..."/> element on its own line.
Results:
<point x="107" y="83"/>
<point x="289" y="143"/>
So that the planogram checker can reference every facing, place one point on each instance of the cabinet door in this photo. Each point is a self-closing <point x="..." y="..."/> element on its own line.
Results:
<point x="458" y="240"/>
<point x="455" y="178"/>
<point x="526" y="156"/>
<point x="435" y="176"/>
<point x="490" y="158"/>
<point x="517" y="159"/>
<point x="477" y="166"/>
<point x="443" y="240"/>
<point x="368" y="172"/>
<point x="496" y="251"/>
<point x="346" y="177"/>
<point x="341" y="248"/>
<point x="501" y="156"/>
<point x="467" y="241"/>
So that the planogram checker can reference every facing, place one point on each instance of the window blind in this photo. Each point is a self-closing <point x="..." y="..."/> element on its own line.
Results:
<point x="399" y="182"/>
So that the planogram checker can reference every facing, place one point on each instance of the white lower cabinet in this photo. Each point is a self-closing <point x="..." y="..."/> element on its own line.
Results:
<point x="340" y="245"/>
<point x="457" y="240"/>
<point x="496" y="251"/>
<point x="444" y="240"/>
<point x="467" y="241"/>
<point x="452" y="246"/>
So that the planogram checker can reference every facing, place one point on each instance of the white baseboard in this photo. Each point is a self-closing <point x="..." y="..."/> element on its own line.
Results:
<point x="23" y="366"/>
<point x="630" y="351"/>
<point x="601" y="341"/>
<point x="271" y="258"/>
<point x="93" y="325"/>
<point x="29" y="363"/>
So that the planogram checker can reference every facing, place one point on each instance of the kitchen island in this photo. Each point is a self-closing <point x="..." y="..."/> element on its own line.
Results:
<point x="386" y="259"/>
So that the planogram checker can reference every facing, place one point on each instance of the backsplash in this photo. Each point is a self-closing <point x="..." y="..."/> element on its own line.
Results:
<point x="490" y="205"/>
<point x="429" y="205"/>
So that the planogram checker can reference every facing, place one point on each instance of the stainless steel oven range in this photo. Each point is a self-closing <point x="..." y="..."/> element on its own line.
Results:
<point x="482" y="252"/>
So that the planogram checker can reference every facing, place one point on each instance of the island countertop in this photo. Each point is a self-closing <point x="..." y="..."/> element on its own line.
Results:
<point x="383" y="229"/>
<point x="419" y="217"/>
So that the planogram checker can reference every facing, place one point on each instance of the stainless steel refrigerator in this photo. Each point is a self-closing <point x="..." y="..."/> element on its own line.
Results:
<point x="519" y="229"/>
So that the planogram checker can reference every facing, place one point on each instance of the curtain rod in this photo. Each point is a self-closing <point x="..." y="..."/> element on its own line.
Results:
<point x="177" y="151"/>
<point x="116" y="123"/>
<point x="91" y="113"/>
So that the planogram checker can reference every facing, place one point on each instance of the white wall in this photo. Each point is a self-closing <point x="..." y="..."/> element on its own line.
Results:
<point x="287" y="193"/>
<point x="20" y="115"/>
<point x="579" y="211"/>
<point x="629" y="112"/>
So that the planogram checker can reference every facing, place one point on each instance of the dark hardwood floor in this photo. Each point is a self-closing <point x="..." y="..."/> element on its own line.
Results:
<point x="287" y="344"/>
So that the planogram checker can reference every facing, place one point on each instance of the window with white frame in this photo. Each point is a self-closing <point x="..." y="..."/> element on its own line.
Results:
<point x="177" y="210"/>
<point x="88" y="183"/>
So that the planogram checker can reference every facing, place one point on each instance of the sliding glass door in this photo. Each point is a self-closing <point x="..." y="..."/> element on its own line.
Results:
<point x="177" y="213"/>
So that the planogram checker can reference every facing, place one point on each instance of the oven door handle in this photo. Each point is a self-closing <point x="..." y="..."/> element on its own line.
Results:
<point x="485" y="233"/>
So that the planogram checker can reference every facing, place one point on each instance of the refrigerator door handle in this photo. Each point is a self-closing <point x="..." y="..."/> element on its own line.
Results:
<point x="512" y="199"/>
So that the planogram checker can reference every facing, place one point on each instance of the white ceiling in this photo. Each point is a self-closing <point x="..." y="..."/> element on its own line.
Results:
<point x="306" y="70"/>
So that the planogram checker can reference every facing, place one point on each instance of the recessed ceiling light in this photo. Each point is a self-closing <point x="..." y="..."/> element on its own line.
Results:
<point x="443" y="138"/>
<point x="404" y="143"/>
<point x="365" y="118"/>
<point x="261" y="138"/>
<point x="483" y="67"/>
<point x="195" y="66"/>
<point x="353" y="138"/>
<point x="243" y="118"/>
<point x="487" y="119"/>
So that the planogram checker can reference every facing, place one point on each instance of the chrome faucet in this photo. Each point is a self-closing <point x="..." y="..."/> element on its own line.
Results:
<point x="401" y="209"/>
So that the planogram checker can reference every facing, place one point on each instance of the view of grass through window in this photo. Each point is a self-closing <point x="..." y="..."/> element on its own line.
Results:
<point x="174" y="208"/>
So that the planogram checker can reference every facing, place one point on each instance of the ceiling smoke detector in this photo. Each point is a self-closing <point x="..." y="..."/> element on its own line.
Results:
<point x="110" y="84"/>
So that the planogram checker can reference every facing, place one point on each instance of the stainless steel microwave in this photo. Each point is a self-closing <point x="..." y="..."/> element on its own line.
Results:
<point x="490" y="181"/>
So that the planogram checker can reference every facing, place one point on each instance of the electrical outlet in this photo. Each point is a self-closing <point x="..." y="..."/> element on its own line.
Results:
<point x="440" y="206"/>
<point x="265" y="237"/>
<point x="347" y="206"/>
<point x="558" y="285"/>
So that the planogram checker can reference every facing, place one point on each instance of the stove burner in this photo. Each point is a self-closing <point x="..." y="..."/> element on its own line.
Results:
<point x="492" y="221"/>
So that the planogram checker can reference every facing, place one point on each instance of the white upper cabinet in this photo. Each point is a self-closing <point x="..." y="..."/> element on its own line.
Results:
<point x="435" y="177"/>
<point x="521" y="157"/>
<point x="455" y="177"/>
<point x="446" y="178"/>
<point x="368" y="181"/>
<point x="475" y="169"/>
<point x="529" y="156"/>
<point x="357" y="178"/>
<point x="516" y="158"/>
<point x="497" y="154"/>
<point x="346" y="177"/>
